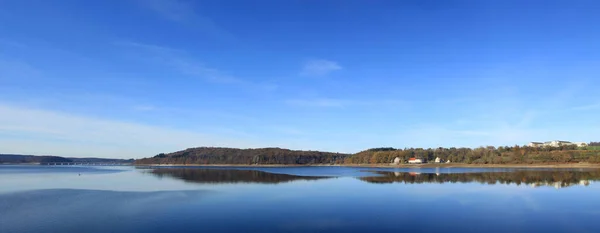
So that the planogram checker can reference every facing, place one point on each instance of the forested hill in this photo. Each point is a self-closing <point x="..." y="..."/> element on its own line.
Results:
<point x="18" y="159"/>
<point x="217" y="155"/>
<point x="23" y="159"/>
<point x="481" y="155"/>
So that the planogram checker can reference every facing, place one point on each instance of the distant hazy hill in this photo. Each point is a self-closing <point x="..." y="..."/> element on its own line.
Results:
<point x="100" y="160"/>
<point x="216" y="155"/>
<point x="17" y="159"/>
<point x="11" y="158"/>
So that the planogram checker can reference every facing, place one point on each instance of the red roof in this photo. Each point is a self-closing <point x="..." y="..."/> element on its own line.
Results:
<point x="412" y="159"/>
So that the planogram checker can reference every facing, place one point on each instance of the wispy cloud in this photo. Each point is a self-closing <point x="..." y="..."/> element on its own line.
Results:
<point x="181" y="62"/>
<point x="341" y="103"/>
<point x="447" y="136"/>
<point x="184" y="12"/>
<point x="197" y="69"/>
<point x="144" y="108"/>
<point x="587" y="107"/>
<point x="37" y="131"/>
<point x="318" y="102"/>
<point x="149" y="47"/>
<point x="175" y="10"/>
<point x="319" y="67"/>
<point x="12" y="43"/>
<point x="11" y="70"/>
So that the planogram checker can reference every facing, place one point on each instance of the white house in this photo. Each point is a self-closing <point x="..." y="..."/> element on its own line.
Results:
<point x="438" y="160"/>
<point x="557" y="143"/>
<point x="396" y="161"/>
<point x="415" y="161"/>
<point x="535" y="144"/>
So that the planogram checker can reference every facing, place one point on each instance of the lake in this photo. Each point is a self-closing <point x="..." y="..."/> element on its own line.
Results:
<point x="297" y="199"/>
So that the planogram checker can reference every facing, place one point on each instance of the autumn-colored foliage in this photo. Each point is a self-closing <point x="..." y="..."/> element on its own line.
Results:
<point x="481" y="155"/>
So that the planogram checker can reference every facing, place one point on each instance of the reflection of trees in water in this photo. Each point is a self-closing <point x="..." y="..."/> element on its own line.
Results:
<point x="198" y="175"/>
<point x="534" y="178"/>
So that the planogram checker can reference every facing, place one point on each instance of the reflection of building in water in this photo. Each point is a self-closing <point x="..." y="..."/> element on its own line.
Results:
<point x="584" y="182"/>
<point x="397" y="173"/>
<point x="556" y="185"/>
<point x="560" y="184"/>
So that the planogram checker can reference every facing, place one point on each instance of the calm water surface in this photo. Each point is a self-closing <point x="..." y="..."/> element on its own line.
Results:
<point x="298" y="199"/>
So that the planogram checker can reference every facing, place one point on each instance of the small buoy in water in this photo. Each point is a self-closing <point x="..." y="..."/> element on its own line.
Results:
<point x="79" y="174"/>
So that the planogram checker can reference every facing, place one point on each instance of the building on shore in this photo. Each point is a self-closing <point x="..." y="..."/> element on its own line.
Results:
<point x="415" y="161"/>
<point x="557" y="143"/>
<point x="396" y="161"/>
<point x="535" y="144"/>
<point x="438" y="160"/>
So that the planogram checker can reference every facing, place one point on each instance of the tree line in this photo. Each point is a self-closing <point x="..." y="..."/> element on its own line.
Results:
<point x="481" y="155"/>
<point x="18" y="159"/>
<point x="218" y="155"/>
<point x="33" y="159"/>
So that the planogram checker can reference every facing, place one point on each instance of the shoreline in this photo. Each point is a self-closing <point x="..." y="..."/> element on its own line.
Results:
<point x="426" y="165"/>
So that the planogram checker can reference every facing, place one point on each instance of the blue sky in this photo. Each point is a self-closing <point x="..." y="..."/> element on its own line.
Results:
<point x="133" y="78"/>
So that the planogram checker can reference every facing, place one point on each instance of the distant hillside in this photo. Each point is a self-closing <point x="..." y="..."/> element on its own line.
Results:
<point x="100" y="160"/>
<point x="22" y="159"/>
<point x="384" y="155"/>
<point x="16" y="159"/>
<point x="216" y="155"/>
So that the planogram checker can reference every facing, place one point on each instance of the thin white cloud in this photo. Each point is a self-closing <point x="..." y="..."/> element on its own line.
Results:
<point x="339" y="103"/>
<point x="175" y="10"/>
<point x="197" y="69"/>
<point x="12" y="43"/>
<point x="178" y="60"/>
<point x="587" y="107"/>
<point x="318" y="102"/>
<point x="442" y="136"/>
<point x="17" y="69"/>
<point x="36" y="131"/>
<point x="144" y="108"/>
<point x="181" y="62"/>
<point x="184" y="12"/>
<point x="319" y="67"/>
<point x="148" y="47"/>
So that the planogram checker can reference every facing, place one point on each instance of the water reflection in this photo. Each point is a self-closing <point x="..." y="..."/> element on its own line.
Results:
<point x="98" y="202"/>
<point x="533" y="178"/>
<point x="213" y="176"/>
<point x="555" y="178"/>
